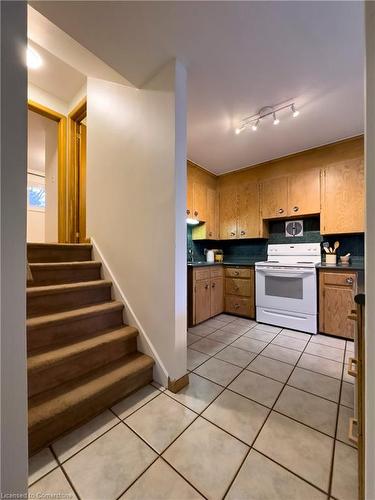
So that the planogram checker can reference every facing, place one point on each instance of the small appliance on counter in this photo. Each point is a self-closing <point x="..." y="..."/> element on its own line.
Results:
<point x="286" y="286"/>
<point x="219" y="256"/>
<point x="210" y="256"/>
<point x="214" y="255"/>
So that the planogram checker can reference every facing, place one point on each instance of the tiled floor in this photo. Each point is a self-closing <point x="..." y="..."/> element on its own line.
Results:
<point x="265" y="416"/>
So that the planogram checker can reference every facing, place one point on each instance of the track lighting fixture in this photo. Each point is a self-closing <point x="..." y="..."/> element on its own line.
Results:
<point x="253" y="122"/>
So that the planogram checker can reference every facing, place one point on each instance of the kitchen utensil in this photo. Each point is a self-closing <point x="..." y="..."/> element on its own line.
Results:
<point x="336" y="246"/>
<point x="331" y="250"/>
<point x="326" y="246"/>
<point x="326" y="249"/>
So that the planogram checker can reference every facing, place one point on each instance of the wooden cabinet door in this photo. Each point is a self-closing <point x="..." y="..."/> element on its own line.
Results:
<point x="248" y="210"/>
<point x="337" y="291"/>
<point x="189" y="198"/>
<point x="235" y="286"/>
<point x="304" y="193"/>
<point x="202" y="300"/>
<point x="228" y="213"/>
<point x="274" y="195"/>
<point x="212" y="229"/>
<point x="200" y="201"/>
<point x="343" y="203"/>
<point x="217" y="296"/>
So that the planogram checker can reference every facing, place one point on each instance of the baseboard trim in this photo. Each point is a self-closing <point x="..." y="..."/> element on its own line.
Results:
<point x="176" y="385"/>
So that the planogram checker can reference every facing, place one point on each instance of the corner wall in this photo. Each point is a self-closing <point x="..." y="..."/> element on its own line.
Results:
<point x="136" y="197"/>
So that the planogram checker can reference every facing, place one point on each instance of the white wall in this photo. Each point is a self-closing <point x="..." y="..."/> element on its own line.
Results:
<point x="136" y="185"/>
<point x="370" y="251"/>
<point x="40" y="96"/>
<point x="13" y="412"/>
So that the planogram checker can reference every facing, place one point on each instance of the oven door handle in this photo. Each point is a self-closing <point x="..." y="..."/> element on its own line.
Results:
<point x="287" y="274"/>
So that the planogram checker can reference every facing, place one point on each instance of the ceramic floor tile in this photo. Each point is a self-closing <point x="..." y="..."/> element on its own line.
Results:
<point x="201" y="330"/>
<point x="224" y="337"/>
<point x="218" y="371"/>
<point x="207" y="457"/>
<point x="207" y="346"/>
<point x="131" y="403"/>
<point x="198" y="394"/>
<point x="316" y="383"/>
<point x="248" y="344"/>
<point x="302" y="450"/>
<point x="160" y="421"/>
<point x="245" y="322"/>
<point x="296" y="334"/>
<point x="281" y="353"/>
<point x="214" y="323"/>
<point x="325" y="352"/>
<point x="346" y="377"/>
<point x="308" y="409"/>
<point x="268" y="328"/>
<point x="40" y="464"/>
<point x="161" y="482"/>
<point x="321" y="365"/>
<point x="195" y="358"/>
<point x="227" y="318"/>
<point x="53" y="485"/>
<point x="345" y="414"/>
<point x="254" y="333"/>
<point x="109" y="465"/>
<point x="328" y="340"/>
<point x="345" y="477"/>
<point x="236" y="328"/>
<point x="256" y="387"/>
<point x="262" y="479"/>
<point x="290" y="342"/>
<point x="157" y="385"/>
<point x="191" y="338"/>
<point x="69" y="444"/>
<point x="237" y="415"/>
<point x="347" y="395"/>
<point x="236" y="356"/>
<point x="271" y="368"/>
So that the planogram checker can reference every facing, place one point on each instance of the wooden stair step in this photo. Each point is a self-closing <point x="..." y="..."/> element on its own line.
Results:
<point x="54" y="298"/>
<point x="49" y="368"/>
<point x="59" y="410"/>
<point x="60" y="327"/>
<point x="58" y="252"/>
<point x="55" y="273"/>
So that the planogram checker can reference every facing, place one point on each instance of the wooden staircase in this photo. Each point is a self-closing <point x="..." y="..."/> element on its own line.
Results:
<point x="81" y="357"/>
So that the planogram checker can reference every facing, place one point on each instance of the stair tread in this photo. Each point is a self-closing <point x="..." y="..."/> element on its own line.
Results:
<point x="64" y="265"/>
<point x="59" y="245"/>
<point x="52" y="403"/>
<point x="72" y="315"/>
<point x="43" y="358"/>
<point x="66" y="287"/>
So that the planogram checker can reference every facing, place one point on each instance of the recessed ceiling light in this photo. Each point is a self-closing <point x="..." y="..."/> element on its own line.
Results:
<point x="34" y="61"/>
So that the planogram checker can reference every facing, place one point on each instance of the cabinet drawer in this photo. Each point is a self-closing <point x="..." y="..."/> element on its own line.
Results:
<point x="238" y="272"/>
<point x="340" y="278"/>
<point x="202" y="273"/>
<point x="242" y="306"/>
<point x="235" y="286"/>
<point x="217" y="272"/>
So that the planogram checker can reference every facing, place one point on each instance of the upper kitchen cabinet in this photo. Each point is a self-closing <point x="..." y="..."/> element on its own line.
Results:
<point x="249" y="222"/>
<point x="228" y="212"/>
<point x="274" y="197"/>
<point x="343" y="203"/>
<point x="304" y="193"/>
<point x="200" y="201"/>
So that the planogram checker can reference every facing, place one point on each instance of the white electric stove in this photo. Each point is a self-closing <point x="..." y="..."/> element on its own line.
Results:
<point x="286" y="286"/>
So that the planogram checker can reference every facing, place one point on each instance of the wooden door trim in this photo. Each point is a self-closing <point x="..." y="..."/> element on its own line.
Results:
<point x="61" y="162"/>
<point x="75" y="116"/>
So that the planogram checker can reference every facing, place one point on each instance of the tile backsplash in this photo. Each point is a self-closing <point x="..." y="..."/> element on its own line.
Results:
<point x="241" y="249"/>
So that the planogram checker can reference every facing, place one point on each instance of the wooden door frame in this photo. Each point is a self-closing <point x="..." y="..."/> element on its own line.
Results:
<point x="76" y="210"/>
<point x="61" y="162"/>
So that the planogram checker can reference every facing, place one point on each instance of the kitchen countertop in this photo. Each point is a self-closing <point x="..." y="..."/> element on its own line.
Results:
<point x="229" y="262"/>
<point x="354" y="265"/>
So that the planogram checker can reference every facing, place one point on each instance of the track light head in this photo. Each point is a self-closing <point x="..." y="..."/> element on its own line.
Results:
<point x="255" y="125"/>
<point x="238" y="131"/>
<point x="276" y="121"/>
<point x="294" y="111"/>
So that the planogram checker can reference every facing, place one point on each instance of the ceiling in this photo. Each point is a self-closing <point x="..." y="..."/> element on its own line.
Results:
<point x="55" y="76"/>
<point x="240" y="57"/>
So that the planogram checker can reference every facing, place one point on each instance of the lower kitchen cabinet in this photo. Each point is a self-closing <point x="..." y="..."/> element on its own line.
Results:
<point x="240" y="291"/>
<point x="205" y="293"/>
<point x="337" y="290"/>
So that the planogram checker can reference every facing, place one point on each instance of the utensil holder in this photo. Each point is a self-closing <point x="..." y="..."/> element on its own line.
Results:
<point x="331" y="258"/>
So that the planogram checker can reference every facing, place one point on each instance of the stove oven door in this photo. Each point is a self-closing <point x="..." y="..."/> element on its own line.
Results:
<point x="291" y="289"/>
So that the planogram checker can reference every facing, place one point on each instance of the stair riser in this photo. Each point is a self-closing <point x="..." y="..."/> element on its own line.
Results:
<point x="75" y="416"/>
<point x="58" y="254"/>
<point x="56" y="374"/>
<point x="62" y="333"/>
<point x="43" y="277"/>
<point x="64" y="301"/>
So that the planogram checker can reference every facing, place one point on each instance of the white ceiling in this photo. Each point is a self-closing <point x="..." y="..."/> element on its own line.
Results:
<point x="240" y="56"/>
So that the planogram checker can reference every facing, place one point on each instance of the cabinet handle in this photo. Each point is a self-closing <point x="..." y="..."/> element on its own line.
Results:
<point x="213" y="285"/>
<point x="232" y="233"/>
<point x="210" y="233"/>
<point x="243" y="232"/>
<point x="206" y="287"/>
<point x="281" y="210"/>
<point x="352" y="368"/>
<point x="187" y="212"/>
<point x="352" y="422"/>
<point x="236" y="306"/>
<point x="349" y="281"/>
<point x="237" y="273"/>
<point x="295" y="209"/>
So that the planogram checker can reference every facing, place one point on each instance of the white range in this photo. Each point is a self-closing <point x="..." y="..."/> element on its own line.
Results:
<point x="286" y="286"/>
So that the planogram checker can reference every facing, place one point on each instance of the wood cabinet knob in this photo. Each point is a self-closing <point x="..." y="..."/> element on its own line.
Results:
<point x="195" y="213"/>
<point x="232" y="233"/>
<point x="281" y="210"/>
<point x="206" y="287"/>
<point x="213" y="285"/>
<point x="349" y="281"/>
<point x="243" y="232"/>
<point x="295" y="209"/>
<point x="236" y="306"/>
<point x="210" y="233"/>
<point x="236" y="273"/>
<point x="187" y="212"/>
